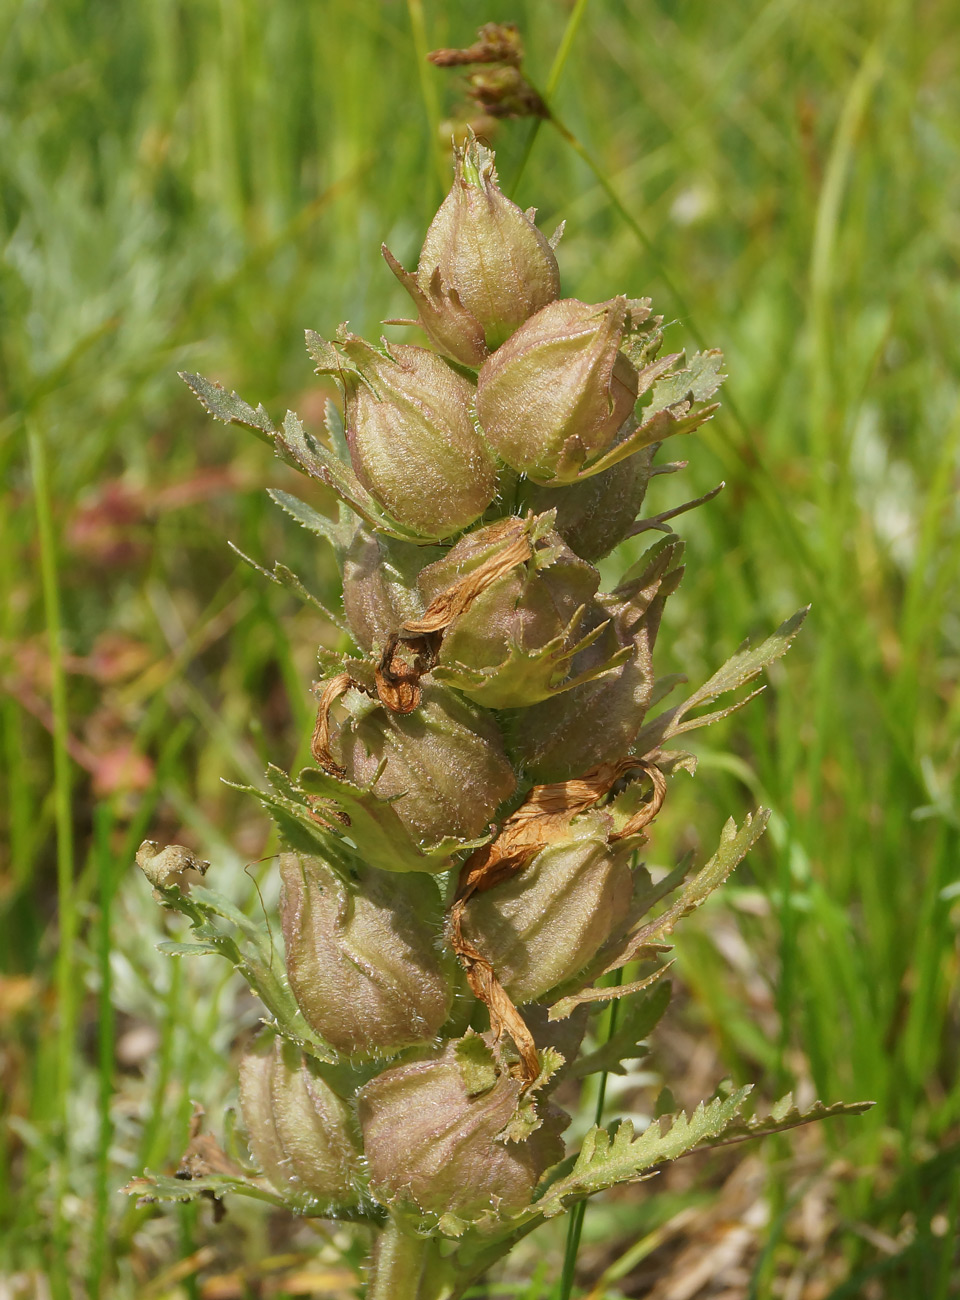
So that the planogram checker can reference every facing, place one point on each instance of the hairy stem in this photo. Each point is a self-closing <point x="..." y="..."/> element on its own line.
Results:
<point x="400" y="1266"/>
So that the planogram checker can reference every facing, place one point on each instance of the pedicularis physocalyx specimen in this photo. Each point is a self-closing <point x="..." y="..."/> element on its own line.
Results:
<point x="461" y="867"/>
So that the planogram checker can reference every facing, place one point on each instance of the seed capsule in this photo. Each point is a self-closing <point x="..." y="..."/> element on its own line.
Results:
<point x="543" y="925"/>
<point x="380" y="585"/>
<point x="412" y="440"/>
<point x="444" y="763"/>
<point x="598" y="721"/>
<point x="593" y="516"/>
<point x="301" y="1133"/>
<point x="363" y="955"/>
<point x="484" y="267"/>
<point x="431" y="1144"/>
<point x="558" y="391"/>
<point x="512" y="639"/>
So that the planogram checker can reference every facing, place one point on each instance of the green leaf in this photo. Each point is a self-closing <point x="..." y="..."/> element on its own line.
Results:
<point x="786" y="1115"/>
<point x="328" y="360"/>
<point x="607" y="993"/>
<point x="528" y="1118"/>
<point x="477" y="1066"/>
<point x="162" y="1187"/>
<point x="377" y="831"/>
<point x="302" y="451"/>
<point x="228" y="407"/>
<point x="697" y="382"/>
<point x="281" y="576"/>
<point x="527" y="677"/>
<point x="645" y="941"/>
<point x="734" y="846"/>
<point x="736" y="672"/>
<point x="216" y="905"/>
<point x="339" y="533"/>
<point x="294" y="819"/>
<point x="637" y="1019"/>
<point x="608" y="1158"/>
<point x="171" y="949"/>
<point x="742" y="667"/>
<point x="662" y="425"/>
<point x="333" y="419"/>
<point x="254" y="957"/>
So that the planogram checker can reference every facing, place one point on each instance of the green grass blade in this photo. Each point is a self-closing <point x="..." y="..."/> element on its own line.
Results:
<point x="62" y="778"/>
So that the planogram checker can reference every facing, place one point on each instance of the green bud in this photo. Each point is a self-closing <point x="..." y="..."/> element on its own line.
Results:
<point x="433" y="1139"/>
<point x="411" y="435"/>
<point x="557" y="392"/>
<point x="543" y="925"/>
<point x="363" y="954"/>
<point x="444" y="764"/>
<point x="484" y="267"/>
<point x="380" y="585"/>
<point x="512" y="644"/>
<point x="301" y="1133"/>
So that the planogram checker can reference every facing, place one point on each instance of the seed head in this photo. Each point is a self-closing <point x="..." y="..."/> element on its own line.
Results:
<point x="434" y="1137"/>
<point x="412" y="440"/>
<point x="541" y="927"/>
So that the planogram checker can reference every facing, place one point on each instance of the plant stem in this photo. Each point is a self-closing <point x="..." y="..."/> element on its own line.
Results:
<point x="103" y="825"/>
<point x="428" y="90"/>
<point x="553" y="80"/>
<point x="398" y="1265"/>
<point x="575" y="1226"/>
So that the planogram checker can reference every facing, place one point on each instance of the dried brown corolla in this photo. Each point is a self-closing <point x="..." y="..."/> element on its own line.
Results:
<point x="301" y="1133"/>
<point x="434" y="1135"/>
<point x="484" y="267"/>
<point x="513" y="644"/>
<point x="411" y="435"/>
<point x="543" y="926"/>
<point x="363" y="954"/>
<point x="443" y="765"/>
<point x="557" y="392"/>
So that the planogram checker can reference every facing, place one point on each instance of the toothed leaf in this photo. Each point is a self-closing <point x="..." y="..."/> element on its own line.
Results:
<point x="228" y="407"/>
<point x="637" y="1020"/>
<point x="619" y="1156"/>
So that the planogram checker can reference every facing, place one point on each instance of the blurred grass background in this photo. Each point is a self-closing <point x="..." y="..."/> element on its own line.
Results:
<point x="190" y="183"/>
